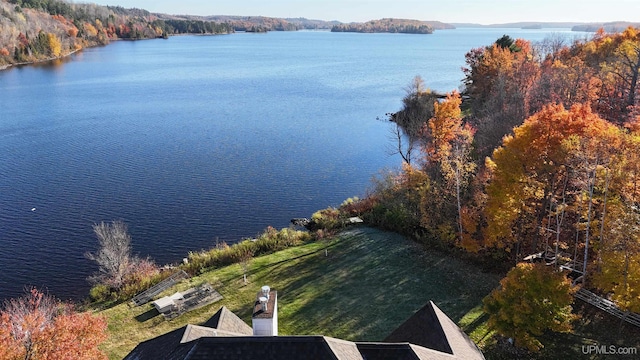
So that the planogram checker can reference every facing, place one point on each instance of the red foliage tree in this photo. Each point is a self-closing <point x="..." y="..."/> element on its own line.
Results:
<point x="37" y="326"/>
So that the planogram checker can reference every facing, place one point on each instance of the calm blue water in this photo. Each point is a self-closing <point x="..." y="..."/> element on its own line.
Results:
<point x="196" y="138"/>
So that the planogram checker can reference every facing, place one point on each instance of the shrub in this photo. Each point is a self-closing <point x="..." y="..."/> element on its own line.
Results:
<point x="100" y="293"/>
<point x="271" y="240"/>
<point x="357" y="207"/>
<point x="327" y="219"/>
<point x="144" y="273"/>
<point x="141" y="275"/>
<point x="393" y="217"/>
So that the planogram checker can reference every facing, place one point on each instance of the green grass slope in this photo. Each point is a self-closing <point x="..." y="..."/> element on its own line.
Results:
<point x="370" y="283"/>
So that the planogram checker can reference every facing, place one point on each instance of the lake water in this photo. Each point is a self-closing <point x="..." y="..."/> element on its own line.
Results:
<point x="196" y="138"/>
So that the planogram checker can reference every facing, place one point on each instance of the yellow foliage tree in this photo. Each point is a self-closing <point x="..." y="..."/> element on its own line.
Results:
<point x="531" y="299"/>
<point x="619" y="248"/>
<point x="90" y="30"/>
<point x="55" y="47"/>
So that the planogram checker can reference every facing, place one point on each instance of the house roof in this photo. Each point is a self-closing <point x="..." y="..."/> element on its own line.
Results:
<point x="266" y="347"/>
<point x="343" y="350"/>
<point x="157" y="348"/>
<point x="428" y="334"/>
<point x="222" y="323"/>
<point x="400" y="351"/>
<point x="431" y="328"/>
<point x="224" y="319"/>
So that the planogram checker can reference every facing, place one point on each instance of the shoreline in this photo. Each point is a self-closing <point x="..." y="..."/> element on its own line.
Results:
<point x="7" y="66"/>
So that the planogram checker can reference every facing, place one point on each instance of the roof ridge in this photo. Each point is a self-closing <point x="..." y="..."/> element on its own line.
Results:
<point x="223" y="311"/>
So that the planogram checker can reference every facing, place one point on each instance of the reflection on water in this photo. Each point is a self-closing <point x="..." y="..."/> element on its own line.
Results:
<point x="195" y="138"/>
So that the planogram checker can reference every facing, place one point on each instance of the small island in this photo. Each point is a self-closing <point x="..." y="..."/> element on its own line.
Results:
<point x="388" y="25"/>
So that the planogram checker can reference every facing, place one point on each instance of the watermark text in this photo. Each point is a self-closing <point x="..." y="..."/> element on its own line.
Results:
<point x="608" y="350"/>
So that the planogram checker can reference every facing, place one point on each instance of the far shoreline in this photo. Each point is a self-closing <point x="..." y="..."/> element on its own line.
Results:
<point x="40" y="61"/>
<point x="7" y="66"/>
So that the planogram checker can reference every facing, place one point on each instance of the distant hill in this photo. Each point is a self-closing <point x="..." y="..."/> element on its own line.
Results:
<point x="521" y="25"/>
<point x="616" y="26"/>
<point x="610" y="27"/>
<point x="257" y="23"/>
<point x="389" y="25"/>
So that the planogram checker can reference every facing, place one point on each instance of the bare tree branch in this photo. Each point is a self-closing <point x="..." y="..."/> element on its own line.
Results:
<point x="114" y="255"/>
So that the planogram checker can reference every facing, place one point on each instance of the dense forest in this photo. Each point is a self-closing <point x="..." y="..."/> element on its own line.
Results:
<point x="538" y="158"/>
<point x="34" y="30"/>
<point x="392" y="26"/>
<point x="253" y="23"/>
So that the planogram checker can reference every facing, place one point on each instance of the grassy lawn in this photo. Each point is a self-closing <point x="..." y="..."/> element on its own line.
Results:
<point x="370" y="283"/>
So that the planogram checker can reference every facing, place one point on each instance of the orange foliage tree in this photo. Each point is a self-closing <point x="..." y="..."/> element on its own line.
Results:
<point x="36" y="326"/>
<point x="565" y="78"/>
<point x="531" y="169"/>
<point x="448" y="159"/>
<point x="498" y="81"/>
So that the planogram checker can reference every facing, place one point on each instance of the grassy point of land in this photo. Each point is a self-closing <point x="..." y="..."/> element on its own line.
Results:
<point x="370" y="283"/>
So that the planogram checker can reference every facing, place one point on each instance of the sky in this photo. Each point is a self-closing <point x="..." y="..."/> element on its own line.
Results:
<point x="469" y="11"/>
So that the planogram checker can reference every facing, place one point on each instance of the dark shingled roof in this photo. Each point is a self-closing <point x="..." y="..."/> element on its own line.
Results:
<point x="175" y="344"/>
<point x="378" y="351"/>
<point x="432" y="329"/>
<point x="224" y="336"/>
<point x="157" y="348"/>
<point x="262" y="347"/>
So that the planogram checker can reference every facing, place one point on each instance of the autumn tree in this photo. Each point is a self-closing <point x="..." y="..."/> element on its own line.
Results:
<point x="592" y="159"/>
<point x="529" y="172"/>
<point x="417" y="109"/>
<point x="567" y="79"/>
<point x="54" y="45"/>
<point x="618" y="270"/>
<point x="448" y="153"/>
<point x="617" y="57"/>
<point x="531" y="300"/>
<point x="114" y="255"/>
<point x="498" y="80"/>
<point x="37" y="326"/>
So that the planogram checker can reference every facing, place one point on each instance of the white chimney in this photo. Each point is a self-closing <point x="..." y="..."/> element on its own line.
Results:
<point x="264" y="320"/>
